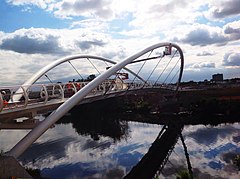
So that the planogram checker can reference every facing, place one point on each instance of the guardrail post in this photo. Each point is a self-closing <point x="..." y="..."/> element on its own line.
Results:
<point x="44" y="93"/>
<point x="74" y="87"/>
<point x="1" y="102"/>
<point x="61" y="92"/>
<point x="25" y="95"/>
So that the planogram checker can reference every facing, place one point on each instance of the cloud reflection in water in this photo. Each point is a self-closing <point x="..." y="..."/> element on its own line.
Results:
<point x="62" y="152"/>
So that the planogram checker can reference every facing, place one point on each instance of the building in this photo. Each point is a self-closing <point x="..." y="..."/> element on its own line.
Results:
<point x="217" y="77"/>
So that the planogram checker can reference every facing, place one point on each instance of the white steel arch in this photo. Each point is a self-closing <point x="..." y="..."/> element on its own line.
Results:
<point x="33" y="135"/>
<point x="50" y="66"/>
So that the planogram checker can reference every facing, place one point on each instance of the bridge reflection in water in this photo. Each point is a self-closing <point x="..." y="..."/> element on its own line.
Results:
<point x="158" y="153"/>
<point x="110" y="145"/>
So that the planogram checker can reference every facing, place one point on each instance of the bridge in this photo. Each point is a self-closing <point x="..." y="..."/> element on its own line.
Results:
<point x="157" y="67"/>
<point x="42" y="98"/>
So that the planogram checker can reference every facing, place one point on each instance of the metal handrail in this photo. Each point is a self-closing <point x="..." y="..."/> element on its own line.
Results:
<point x="49" y="91"/>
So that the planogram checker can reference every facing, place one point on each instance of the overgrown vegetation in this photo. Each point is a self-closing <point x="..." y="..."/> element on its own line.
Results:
<point x="183" y="174"/>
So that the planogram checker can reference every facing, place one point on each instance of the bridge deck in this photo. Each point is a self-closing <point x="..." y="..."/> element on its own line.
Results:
<point x="34" y="109"/>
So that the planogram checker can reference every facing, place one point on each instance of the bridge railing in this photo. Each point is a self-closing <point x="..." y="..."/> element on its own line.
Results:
<point x="30" y="95"/>
<point x="52" y="93"/>
<point x="38" y="94"/>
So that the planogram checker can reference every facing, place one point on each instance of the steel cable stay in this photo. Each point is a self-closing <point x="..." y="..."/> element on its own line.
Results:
<point x="116" y="74"/>
<point x="139" y="71"/>
<point x="75" y="69"/>
<point x="171" y="71"/>
<point x="48" y="78"/>
<point x="145" y="59"/>
<point x="121" y="70"/>
<point x="165" y="68"/>
<point x="161" y="169"/>
<point x="162" y="72"/>
<point x="178" y="156"/>
<point x="162" y="172"/>
<point x="111" y="86"/>
<point x="168" y="161"/>
<point x="94" y="66"/>
<point x="174" y="75"/>
<point x="153" y="69"/>
<point x="106" y="64"/>
<point x="187" y="156"/>
<point x="140" y="68"/>
<point x="174" y="167"/>
<point x="107" y="67"/>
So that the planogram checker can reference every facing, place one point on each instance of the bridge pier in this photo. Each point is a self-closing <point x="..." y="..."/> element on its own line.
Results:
<point x="9" y="168"/>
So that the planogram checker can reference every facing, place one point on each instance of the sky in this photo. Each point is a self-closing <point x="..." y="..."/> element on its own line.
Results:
<point x="33" y="33"/>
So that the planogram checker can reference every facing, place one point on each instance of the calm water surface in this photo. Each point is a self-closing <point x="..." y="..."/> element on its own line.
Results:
<point x="110" y="148"/>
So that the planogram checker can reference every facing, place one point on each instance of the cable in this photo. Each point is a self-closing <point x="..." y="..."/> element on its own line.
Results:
<point x="76" y="70"/>
<point x="145" y="59"/>
<point x="106" y="63"/>
<point x="140" y="68"/>
<point x="176" y="170"/>
<point x="178" y="156"/>
<point x="153" y="70"/>
<point x="174" y="75"/>
<point x="165" y="67"/>
<point x="48" y="78"/>
<point x="187" y="156"/>
<point x="93" y="66"/>
<point x="171" y="71"/>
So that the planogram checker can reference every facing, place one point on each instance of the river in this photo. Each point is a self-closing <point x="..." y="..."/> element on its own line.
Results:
<point x="106" y="146"/>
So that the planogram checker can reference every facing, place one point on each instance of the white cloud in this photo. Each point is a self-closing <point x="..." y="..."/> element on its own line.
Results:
<point x="158" y="17"/>
<point x="16" y="68"/>
<point x="203" y="65"/>
<point x="232" y="29"/>
<point x="220" y="9"/>
<point x="39" y="3"/>
<point x="31" y="41"/>
<point x="52" y="41"/>
<point x="93" y="8"/>
<point x="205" y="53"/>
<point x="93" y="25"/>
<point x="231" y="59"/>
<point x="24" y="49"/>
<point x="203" y="35"/>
